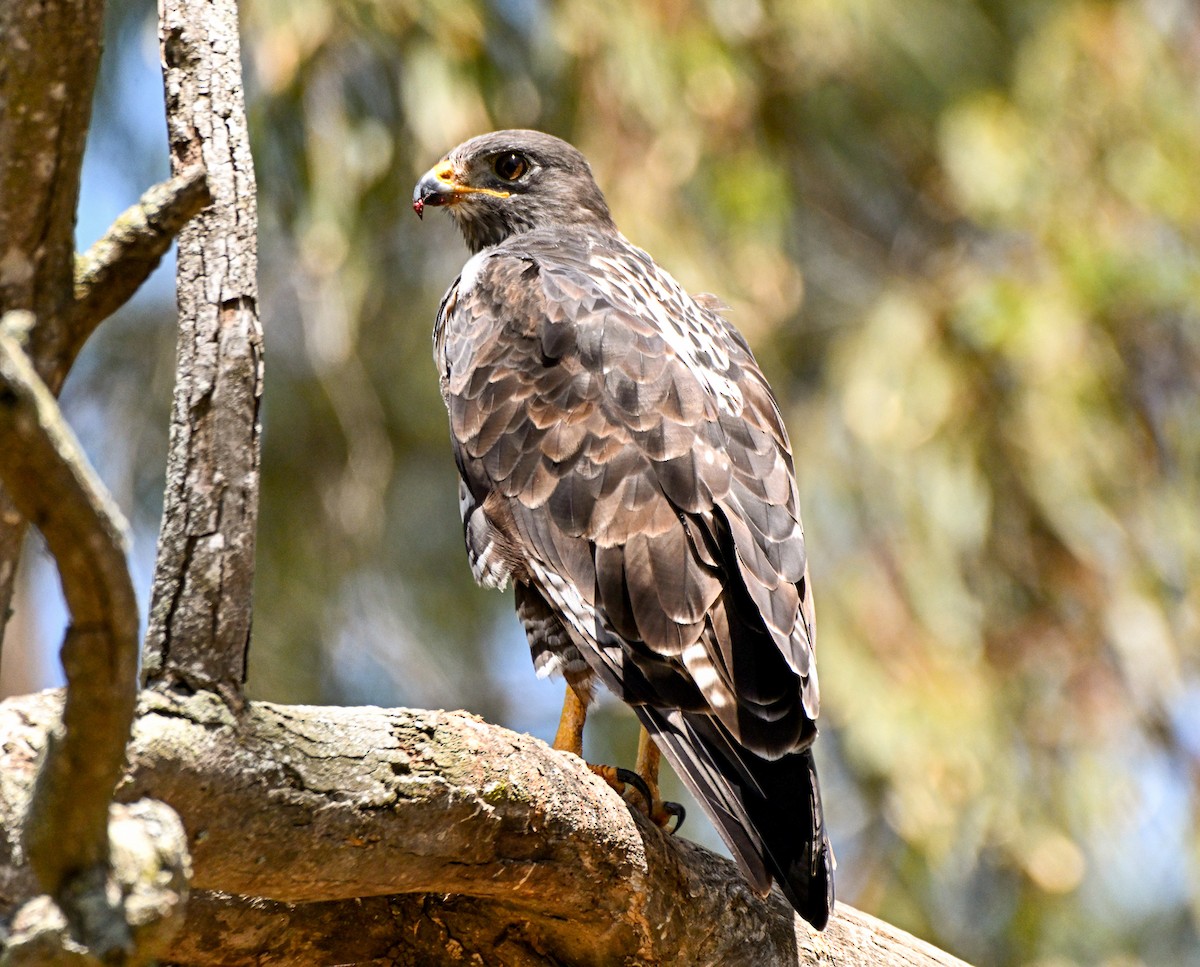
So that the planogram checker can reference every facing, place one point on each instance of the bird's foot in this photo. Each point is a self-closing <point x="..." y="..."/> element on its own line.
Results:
<point x="626" y="781"/>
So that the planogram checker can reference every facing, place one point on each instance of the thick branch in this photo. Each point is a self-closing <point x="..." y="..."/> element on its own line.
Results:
<point x="502" y="846"/>
<point x="51" y="54"/>
<point x="420" y="930"/>
<point x="115" y="267"/>
<point x="48" y="478"/>
<point x="200" y="609"/>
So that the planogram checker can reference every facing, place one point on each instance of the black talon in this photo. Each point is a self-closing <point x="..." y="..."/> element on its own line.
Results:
<point x="631" y="778"/>
<point x="675" y="809"/>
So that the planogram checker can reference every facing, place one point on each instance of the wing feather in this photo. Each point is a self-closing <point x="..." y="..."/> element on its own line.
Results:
<point x="622" y="445"/>
<point x="624" y="461"/>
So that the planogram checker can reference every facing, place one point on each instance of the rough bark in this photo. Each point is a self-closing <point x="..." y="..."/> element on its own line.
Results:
<point x="51" y="55"/>
<point x="199" y="623"/>
<point x="50" y="482"/>
<point x="423" y="930"/>
<point x="124" y="913"/>
<point x="90" y="900"/>
<point x="503" y="849"/>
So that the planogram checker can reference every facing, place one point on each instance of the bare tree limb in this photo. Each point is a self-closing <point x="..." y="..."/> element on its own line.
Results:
<point x="51" y="57"/>
<point x="503" y="847"/>
<point x="423" y="930"/>
<point x="49" y="480"/>
<point x="51" y="54"/>
<point x="90" y="906"/>
<point x="200" y="610"/>
<point x="115" y="267"/>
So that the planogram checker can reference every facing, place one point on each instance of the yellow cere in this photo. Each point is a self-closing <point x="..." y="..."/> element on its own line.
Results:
<point x="444" y="172"/>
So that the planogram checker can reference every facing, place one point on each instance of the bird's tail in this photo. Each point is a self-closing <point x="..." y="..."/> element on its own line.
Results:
<point x="768" y="811"/>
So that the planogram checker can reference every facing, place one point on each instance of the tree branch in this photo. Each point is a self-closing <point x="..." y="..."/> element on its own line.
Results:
<point x="51" y="56"/>
<point x="200" y="609"/>
<point x="502" y="847"/>
<point x="50" y="483"/>
<point x="115" y="267"/>
<point x="422" y="930"/>
<point x="69" y="833"/>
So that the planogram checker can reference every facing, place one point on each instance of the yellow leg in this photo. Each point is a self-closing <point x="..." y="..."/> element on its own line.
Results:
<point x="648" y="758"/>
<point x="569" y="737"/>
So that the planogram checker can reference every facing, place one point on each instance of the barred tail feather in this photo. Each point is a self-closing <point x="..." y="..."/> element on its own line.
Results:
<point x="768" y="812"/>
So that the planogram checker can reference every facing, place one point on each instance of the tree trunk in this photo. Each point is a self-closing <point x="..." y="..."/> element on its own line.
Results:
<point x="199" y="628"/>
<point x="51" y="55"/>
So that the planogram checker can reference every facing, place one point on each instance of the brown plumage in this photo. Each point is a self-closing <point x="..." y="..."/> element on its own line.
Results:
<point x="623" y="462"/>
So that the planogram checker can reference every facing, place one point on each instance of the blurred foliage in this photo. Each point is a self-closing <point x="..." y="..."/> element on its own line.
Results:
<point x="962" y="236"/>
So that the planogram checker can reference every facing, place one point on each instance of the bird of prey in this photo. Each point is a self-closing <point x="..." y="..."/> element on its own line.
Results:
<point x="623" y="463"/>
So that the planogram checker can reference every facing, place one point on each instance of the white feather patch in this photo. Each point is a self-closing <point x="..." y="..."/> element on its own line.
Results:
<point x="470" y="272"/>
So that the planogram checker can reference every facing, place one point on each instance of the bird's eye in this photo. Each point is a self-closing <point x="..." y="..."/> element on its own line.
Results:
<point x="510" y="165"/>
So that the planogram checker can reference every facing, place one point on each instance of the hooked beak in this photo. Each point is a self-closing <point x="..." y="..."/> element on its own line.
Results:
<point x="440" y="186"/>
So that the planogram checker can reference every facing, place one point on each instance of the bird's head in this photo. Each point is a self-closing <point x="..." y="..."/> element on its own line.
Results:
<point x="508" y="182"/>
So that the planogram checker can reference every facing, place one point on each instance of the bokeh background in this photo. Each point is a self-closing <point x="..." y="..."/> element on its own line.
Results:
<point x="963" y="238"/>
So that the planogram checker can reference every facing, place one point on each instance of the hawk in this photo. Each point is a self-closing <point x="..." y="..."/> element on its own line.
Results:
<point x="623" y="463"/>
